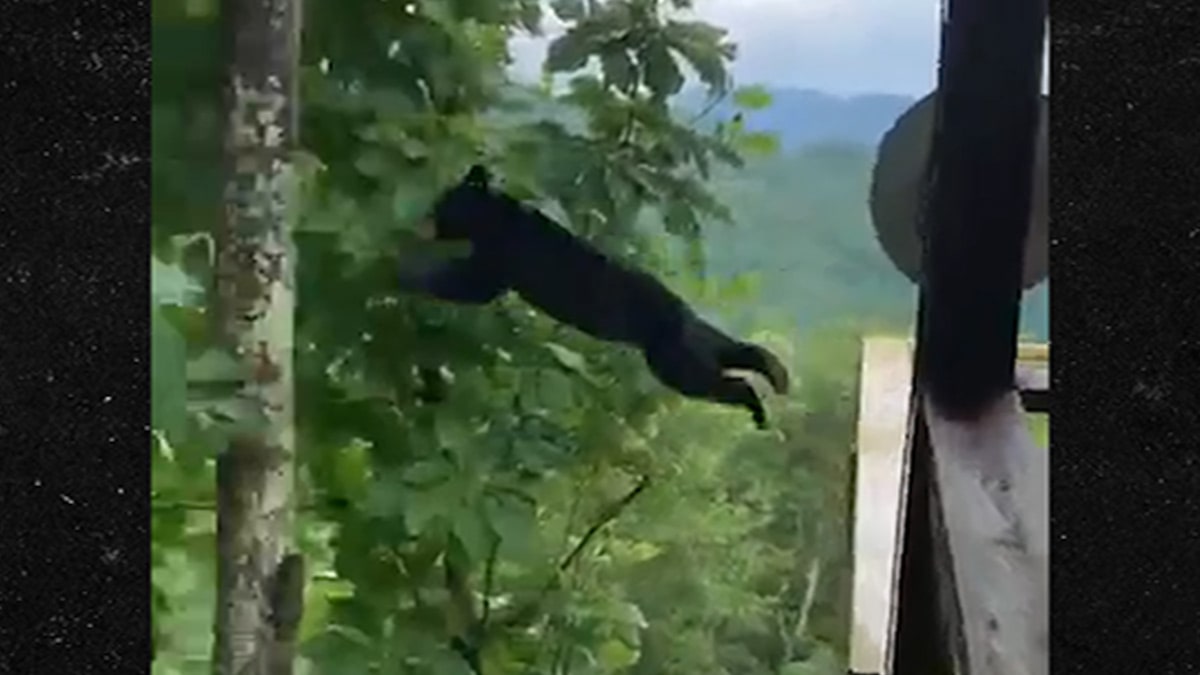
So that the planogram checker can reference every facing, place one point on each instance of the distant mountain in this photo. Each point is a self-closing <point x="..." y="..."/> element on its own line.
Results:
<point x="801" y="117"/>
<point x="801" y="225"/>
<point x="806" y="117"/>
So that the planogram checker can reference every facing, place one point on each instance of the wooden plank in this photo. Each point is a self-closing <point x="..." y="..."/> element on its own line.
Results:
<point x="1033" y="377"/>
<point x="883" y="421"/>
<point x="993" y="491"/>
<point x="1033" y="353"/>
<point x="1033" y="381"/>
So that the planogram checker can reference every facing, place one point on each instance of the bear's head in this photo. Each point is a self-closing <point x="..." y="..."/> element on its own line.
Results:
<point x="463" y="209"/>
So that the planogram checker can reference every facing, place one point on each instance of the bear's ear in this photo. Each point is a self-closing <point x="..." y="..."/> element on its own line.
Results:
<point x="477" y="176"/>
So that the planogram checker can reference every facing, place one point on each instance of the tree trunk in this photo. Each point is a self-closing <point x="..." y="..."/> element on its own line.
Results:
<point x="259" y="589"/>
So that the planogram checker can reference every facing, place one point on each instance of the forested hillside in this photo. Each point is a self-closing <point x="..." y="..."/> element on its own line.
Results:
<point x="813" y="248"/>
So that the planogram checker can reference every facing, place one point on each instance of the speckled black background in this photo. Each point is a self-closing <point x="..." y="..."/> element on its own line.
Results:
<point x="74" y="300"/>
<point x="1125" y="326"/>
<point x="74" y="200"/>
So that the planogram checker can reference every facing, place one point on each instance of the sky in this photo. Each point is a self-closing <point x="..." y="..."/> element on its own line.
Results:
<point x="842" y="47"/>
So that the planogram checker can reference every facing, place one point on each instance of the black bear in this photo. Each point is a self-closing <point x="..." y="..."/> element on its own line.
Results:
<point x="517" y="248"/>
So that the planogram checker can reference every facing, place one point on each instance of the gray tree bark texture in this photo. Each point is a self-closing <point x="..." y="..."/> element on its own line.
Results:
<point x="259" y="588"/>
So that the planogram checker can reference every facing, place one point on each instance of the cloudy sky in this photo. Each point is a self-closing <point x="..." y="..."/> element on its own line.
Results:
<point x="838" y="46"/>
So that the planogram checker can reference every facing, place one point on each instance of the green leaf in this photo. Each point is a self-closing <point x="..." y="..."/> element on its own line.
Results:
<point x="454" y="433"/>
<point x="568" y="10"/>
<point x="755" y="97"/>
<point x="661" y="71"/>
<point x="514" y="521"/>
<point x="568" y="358"/>
<point x="702" y="45"/>
<point x="473" y="533"/>
<point x="195" y="254"/>
<point x="386" y="497"/>
<point x="445" y="662"/>
<point x="170" y="285"/>
<point x="425" y="506"/>
<point x="567" y="53"/>
<point x="427" y="472"/>
<point x="760" y="143"/>
<point x="631" y="614"/>
<point x="679" y="218"/>
<point x="191" y="323"/>
<point x="615" y="655"/>
<point x="412" y="202"/>
<point x="529" y="17"/>
<point x="342" y="649"/>
<point x="619" y="70"/>
<point x="352" y="471"/>
<point x="538" y="454"/>
<point x="168" y="383"/>
<point x="555" y="391"/>
<point x="374" y="162"/>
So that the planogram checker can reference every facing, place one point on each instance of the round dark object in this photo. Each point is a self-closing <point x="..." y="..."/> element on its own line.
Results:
<point x="895" y="189"/>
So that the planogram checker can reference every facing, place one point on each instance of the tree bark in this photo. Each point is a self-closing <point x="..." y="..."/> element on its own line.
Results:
<point x="259" y="589"/>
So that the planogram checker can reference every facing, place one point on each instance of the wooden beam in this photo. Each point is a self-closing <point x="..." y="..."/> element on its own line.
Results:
<point x="906" y="608"/>
<point x="1033" y="352"/>
<point x="992" y="493"/>
<point x="980" y="179"/>
<point x="1033" y="376"/>
<point x="1035" y="390"/>
<point x="885" y="391"/>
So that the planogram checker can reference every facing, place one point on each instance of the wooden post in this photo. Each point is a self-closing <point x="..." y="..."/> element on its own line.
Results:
<point x="985" y="481"/>
<point x="884" y="416"/>
<point x="980" y="187"/>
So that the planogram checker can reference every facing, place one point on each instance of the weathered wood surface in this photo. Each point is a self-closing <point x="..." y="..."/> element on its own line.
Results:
<point x="883" y="421"/>
<point x="963" y="505"/>
<point x="993" y="491"/>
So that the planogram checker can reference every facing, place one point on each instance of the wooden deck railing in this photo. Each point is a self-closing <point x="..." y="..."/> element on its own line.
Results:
<point x="950" y="529"/>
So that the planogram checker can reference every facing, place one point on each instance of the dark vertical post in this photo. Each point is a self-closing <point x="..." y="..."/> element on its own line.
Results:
<point x="974" y="228"/>
<point x="978" y="214"/>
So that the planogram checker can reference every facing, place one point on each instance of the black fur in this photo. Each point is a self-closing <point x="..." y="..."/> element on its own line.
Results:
<point x="520" y="249"/>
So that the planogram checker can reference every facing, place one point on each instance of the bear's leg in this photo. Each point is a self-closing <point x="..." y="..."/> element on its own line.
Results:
<point x="696" y="376"/>
<point x="702" y="337"/>
<point x="746" y="356"/>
